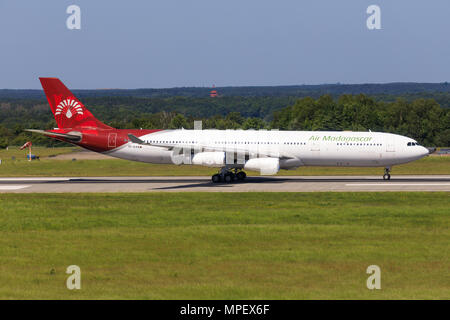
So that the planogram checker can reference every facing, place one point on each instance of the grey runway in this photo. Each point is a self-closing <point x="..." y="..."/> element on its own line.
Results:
<point x="204" y="184"/>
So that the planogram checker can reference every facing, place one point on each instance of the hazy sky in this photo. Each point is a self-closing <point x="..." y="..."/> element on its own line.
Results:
<point x="172" y="43"/>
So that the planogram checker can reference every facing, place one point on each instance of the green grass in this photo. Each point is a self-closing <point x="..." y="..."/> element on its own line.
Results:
<point x="20" y="155"/>
<point x="117" y="167"/>
<point x="225" y="246"/>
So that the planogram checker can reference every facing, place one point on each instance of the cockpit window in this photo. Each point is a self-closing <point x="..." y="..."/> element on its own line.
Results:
<point x="409" y="144"/>
<point x="413" y="144"/>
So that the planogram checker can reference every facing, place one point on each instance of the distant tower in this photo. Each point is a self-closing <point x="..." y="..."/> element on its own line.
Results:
<point x="213" y="92"/>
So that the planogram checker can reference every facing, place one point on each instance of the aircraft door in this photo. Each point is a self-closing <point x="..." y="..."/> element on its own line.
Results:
<point x="315" y="146"/>
<point x="112" y="137"/>
<point x="390" y="144"/>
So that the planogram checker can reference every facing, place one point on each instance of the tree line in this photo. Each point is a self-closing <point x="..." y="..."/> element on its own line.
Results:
<point x="420" y="118"/>
<point x="301" y="91"/>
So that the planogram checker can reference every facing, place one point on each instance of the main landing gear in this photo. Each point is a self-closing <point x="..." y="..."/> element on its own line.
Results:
<point x="228" y="176"/>
<point x="387" y="174"/>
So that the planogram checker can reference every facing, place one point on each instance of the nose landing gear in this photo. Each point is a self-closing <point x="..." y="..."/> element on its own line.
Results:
<point x="228" y="176"/>
<point x="387" y="174"/>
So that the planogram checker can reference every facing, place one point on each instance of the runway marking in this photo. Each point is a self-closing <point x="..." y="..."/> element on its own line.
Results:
<point x="396" y="184"/>
<point x="33" y="179"/>
<point x="13" y="187"/>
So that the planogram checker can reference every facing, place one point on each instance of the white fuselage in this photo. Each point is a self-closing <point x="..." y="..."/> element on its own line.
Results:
<point x="292" y="148"/>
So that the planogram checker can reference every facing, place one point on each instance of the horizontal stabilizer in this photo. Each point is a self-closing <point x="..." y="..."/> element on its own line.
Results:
<point x="73" y="136"/>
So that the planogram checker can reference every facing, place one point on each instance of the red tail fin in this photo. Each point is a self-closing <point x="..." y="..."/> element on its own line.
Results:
<point x="69" y="112"/>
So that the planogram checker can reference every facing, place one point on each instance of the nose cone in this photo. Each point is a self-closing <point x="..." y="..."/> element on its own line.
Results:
<point x="422" y="151"/>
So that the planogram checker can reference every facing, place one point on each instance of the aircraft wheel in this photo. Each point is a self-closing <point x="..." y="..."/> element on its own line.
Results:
<point x="216" y="178"/>
<point x="228" y="178"/>
<point x="241" y="175"/>
<point x="387" y="177"/>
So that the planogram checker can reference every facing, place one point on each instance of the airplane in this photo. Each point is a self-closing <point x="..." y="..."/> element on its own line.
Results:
<point x="232" y="151"/>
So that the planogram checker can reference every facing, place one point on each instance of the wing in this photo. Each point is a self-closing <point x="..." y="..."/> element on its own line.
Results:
<point x="263" y="152"/>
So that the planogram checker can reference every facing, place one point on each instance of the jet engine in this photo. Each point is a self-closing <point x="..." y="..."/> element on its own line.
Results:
<point x="209" y="159"/>
<point x="266" y="166"/>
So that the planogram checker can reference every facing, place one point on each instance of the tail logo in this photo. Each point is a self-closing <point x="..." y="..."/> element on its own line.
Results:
<point x="69" y="107"/>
